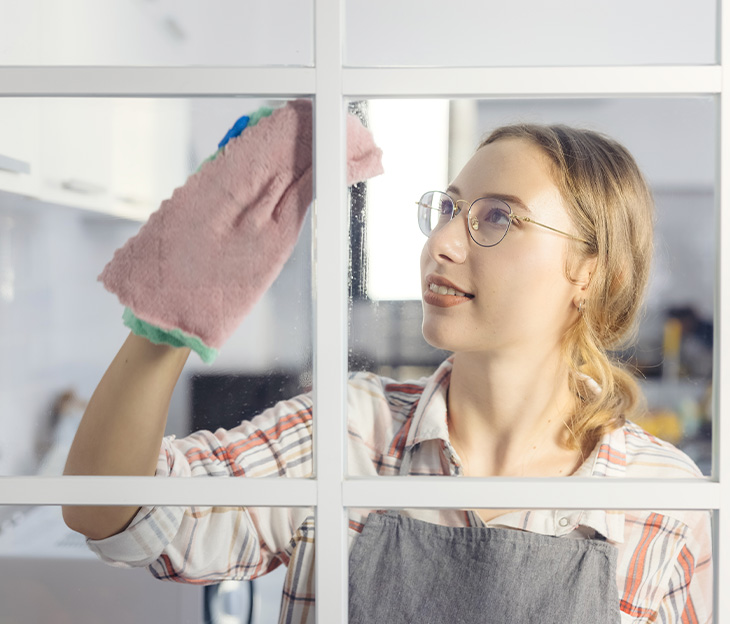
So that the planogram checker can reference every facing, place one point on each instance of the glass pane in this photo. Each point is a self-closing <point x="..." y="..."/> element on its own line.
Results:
<point x="525" y="33"/>
<point x="426" y="143"/>
<point x="50" y="575"/>
<point x="163" y="32"/>
<point x="99" y="169"/>
<point x="452" y="560"/>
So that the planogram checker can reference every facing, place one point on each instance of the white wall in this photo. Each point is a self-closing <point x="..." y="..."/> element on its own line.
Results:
<point x="55" y="324"/>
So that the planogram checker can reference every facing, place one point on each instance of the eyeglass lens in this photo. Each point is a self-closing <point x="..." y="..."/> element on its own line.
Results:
<point x="489" y="218"/>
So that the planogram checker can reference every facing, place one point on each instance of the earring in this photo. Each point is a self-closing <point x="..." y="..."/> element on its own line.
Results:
<point x="581" y="306"/>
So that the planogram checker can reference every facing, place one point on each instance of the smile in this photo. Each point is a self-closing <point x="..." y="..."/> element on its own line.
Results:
<point x="443" y="290"/>
<point x="440" y="292"/>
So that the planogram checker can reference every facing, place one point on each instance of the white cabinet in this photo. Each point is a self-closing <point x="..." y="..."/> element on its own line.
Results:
<point x="116" y="156"/>
<point x="19" y="134"/>
<point x="75" y="140"/>
<point x="150" y="143"/>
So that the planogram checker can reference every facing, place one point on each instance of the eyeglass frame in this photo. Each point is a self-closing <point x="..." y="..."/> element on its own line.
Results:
<point x="512" y="216"/>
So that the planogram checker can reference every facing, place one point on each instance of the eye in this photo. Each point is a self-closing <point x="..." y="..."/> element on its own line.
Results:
<point x="445" y="206"/>
<point x="492" y="213"/>
<point x="434" y="211"/>
<point x="497" y="216"/>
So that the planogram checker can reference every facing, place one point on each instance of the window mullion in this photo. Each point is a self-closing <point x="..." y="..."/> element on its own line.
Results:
<point x="721" y="440"/>
<point x="522" y="493"/>
<point x="156" y="81"/>
<point x="183" y="491"/>
<point x="358" y="82"/>
<point x="330" y="266"/>
<point x="530" y="81"/>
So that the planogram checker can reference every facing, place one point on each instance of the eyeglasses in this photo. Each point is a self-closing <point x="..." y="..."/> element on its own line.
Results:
<point x="489" y="218"/>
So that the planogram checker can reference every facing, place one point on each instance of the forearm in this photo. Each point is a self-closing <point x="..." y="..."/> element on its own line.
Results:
<point x="122" y="427"/>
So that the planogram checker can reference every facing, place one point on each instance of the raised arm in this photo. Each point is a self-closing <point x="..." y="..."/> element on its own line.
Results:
<point x="190" y="275"/>
<point x="122" y="427"/>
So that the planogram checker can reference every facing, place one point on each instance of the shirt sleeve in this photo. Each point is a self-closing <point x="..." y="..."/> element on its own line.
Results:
<point x="209" y="544"/>
<point x="689" y="591"/>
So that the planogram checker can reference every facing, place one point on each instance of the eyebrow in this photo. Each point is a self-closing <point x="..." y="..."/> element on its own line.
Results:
<point x="510" y="199"/>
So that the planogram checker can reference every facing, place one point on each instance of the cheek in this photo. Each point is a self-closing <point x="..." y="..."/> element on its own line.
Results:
<point x="424" y="259"/>
<point x="547" y="287"/>
<point x="524" y="281"/>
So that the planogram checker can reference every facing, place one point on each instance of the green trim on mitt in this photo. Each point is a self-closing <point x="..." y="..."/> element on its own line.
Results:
<point x="258" y="115"/>
<point x="172" y="337"/>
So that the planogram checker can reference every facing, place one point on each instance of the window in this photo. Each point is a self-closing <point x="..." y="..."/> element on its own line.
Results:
<point x="337" y="78"/>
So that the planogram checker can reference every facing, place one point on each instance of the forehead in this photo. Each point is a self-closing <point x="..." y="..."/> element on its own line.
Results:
<point x="509" y="166"/>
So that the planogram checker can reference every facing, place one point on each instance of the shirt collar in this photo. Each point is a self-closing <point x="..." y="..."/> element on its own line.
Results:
<point x="429" y="419"/>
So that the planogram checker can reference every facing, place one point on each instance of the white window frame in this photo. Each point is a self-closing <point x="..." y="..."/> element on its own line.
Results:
<point x="330" y="492"/>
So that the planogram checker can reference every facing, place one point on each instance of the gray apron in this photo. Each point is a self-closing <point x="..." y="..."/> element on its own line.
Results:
<point x="408" y="570"/>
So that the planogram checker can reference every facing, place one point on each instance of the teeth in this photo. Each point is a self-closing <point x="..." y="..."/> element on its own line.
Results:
<point x="443" y="290"/>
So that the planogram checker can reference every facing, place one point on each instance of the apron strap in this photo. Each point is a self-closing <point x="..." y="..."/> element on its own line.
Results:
<point x="405" y="467"/>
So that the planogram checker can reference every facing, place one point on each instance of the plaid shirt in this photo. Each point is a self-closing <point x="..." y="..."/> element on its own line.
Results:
<point x="664" y="568"/>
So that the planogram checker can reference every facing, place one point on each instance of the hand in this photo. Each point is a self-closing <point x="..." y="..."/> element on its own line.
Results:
<point x="209" y="253"/>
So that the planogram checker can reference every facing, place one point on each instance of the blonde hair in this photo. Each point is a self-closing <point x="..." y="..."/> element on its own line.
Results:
<point x="611" y="207"/>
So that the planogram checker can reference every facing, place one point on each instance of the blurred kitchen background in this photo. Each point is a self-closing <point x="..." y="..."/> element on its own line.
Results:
<point x="79" y="176"/>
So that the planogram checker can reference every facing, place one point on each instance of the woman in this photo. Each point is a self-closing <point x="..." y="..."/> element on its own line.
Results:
<point x="536" y="260"/>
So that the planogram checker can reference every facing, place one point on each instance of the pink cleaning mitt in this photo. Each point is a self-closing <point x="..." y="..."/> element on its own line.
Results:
<point x="208" y="254"/>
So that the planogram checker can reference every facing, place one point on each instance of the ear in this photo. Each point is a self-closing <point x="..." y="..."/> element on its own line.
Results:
<point x="582" y="274"/>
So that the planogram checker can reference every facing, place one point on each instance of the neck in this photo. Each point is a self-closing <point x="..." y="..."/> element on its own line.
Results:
<point x="507" y="414"/>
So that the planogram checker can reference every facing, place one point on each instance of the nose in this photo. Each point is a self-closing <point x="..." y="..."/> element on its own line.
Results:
<point x="450" y="242"/>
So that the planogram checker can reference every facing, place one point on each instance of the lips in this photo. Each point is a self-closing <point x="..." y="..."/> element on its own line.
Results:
<point x="443" y="290"/>
<point x="443" y="293"/>
<point x="437" y="280"/>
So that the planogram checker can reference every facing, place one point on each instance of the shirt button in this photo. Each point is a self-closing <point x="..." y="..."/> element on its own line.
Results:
<point x="563" y="522"/>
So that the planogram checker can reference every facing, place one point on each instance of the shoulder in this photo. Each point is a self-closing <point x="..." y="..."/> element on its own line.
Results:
<point x="366" y="388"/>
<point x="650" y="457"/>
<point x="377" y="403"/>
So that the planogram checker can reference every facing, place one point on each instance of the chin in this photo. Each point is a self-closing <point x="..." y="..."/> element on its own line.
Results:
<point x="437" y="338"/>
